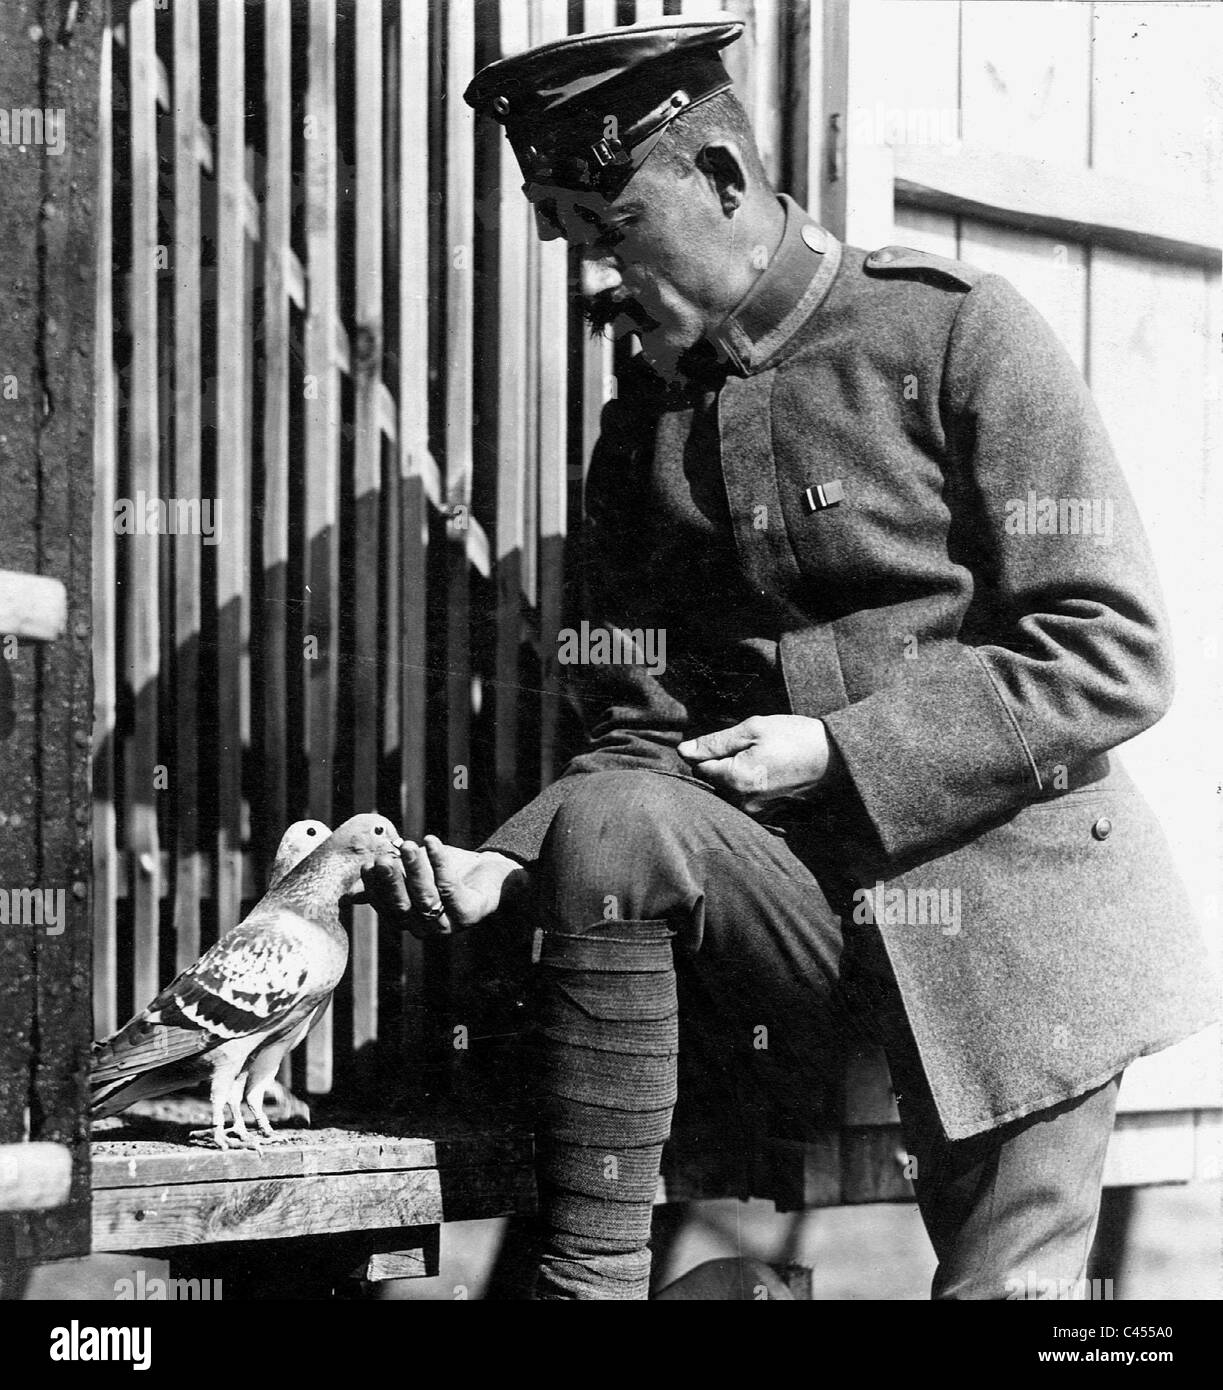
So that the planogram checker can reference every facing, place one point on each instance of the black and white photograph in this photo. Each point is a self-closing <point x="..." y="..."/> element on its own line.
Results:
<point x="611" y="662"/>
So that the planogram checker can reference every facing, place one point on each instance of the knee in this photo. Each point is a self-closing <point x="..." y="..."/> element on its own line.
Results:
<point x="609" y="839"/>
<point x="626" y="807"/>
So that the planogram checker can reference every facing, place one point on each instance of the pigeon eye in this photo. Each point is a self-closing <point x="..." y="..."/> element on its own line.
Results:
<point x="311" y="831"/>
<point x="377" y="830"/>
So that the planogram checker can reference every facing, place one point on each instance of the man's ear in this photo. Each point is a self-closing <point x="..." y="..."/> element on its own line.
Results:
<point x="722" y="165"/>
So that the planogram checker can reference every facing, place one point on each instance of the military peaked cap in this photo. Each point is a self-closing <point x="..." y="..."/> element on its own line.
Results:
<point x="584" y="112"/>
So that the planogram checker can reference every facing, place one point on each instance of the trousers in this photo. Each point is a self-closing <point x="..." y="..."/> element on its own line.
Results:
<point x="688" y="947"/>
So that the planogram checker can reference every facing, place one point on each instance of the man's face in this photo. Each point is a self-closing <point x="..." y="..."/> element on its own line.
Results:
<point x="653" y="258"/>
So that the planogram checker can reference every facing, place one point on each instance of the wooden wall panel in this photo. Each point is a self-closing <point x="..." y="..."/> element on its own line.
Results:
<point x="1026" y="79"/>
<point x="1157" y="107"/>
<point x="1152" y="360"/>
<point x="936" y="232"/>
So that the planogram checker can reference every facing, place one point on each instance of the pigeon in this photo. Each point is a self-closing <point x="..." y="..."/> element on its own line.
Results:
<point x="301" y="838"/>
<point x="266" y="980"/>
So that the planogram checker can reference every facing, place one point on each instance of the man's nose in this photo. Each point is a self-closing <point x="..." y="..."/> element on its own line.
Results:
<point x="599" y="273"/>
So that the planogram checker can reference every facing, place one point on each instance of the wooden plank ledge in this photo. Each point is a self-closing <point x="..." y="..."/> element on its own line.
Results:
<point x="130" y="1218"/>
<point x="152" y="1189"/>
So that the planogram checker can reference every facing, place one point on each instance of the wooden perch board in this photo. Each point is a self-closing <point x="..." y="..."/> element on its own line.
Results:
<point x="154" y="1194"/>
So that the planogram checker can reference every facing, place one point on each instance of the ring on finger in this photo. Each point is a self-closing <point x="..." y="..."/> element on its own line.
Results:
<point x="433" y="913"/>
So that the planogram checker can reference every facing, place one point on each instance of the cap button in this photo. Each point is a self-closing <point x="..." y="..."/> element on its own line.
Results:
<point x="501" y="105"/>
<point x="882" y="257"/>
<point x="1103" y="828"/>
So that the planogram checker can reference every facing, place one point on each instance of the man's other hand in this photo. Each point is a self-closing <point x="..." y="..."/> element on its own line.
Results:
<point x="437" y="889"/>
<point x="766" y="759"/>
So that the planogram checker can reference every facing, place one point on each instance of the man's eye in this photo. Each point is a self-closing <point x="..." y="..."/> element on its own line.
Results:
<point x="613" y="235"/>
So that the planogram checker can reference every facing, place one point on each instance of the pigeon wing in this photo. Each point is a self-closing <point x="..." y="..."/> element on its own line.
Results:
<point x="246" y="984"/>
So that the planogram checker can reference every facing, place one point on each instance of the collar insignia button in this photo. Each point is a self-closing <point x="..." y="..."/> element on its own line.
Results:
<point x="815" y="238"/>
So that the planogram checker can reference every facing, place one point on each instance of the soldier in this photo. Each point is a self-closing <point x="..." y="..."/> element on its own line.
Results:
<point x="872" y="786"/>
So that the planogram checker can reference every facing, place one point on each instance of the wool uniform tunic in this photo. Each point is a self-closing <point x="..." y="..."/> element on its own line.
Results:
<point x="890" y="504"/>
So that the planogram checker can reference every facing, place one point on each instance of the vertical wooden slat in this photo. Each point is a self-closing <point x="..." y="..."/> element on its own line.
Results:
<point x="187" y="483"/>
<point x="826" y="179"/>
<point x="515" y="233"/>
<point x="322" y="391"/>
<point x="392" y="619"/>
<point x="233" y="457"/>
<point x="552" y="446"/>
<point x="460" y="38"/>
<point x="367" y="481"/>
<point x="597" y="368"/>
<point x="764" y="34"/>
<point x="142" y="551"/>
<point x="105" y="589"/>
<point x="413" y="196"/>
<point x="797" y="136"/>
<point x="413" y="386"/>
<point x="277" y="196"/>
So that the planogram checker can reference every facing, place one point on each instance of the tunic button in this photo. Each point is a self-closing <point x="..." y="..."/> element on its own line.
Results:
<point x="1103" y="828"/>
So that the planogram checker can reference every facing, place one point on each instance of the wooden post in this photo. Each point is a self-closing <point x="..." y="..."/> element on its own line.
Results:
<point x="47" y="219"/>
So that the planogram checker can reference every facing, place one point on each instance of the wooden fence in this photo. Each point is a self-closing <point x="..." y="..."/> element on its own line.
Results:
<point x="336" y="338"/>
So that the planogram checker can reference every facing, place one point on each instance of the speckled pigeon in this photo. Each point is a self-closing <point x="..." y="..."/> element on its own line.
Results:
<point x="265" y="980"/>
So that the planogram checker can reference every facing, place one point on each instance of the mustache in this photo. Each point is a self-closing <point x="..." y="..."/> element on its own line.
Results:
<point x="601" y="310"/>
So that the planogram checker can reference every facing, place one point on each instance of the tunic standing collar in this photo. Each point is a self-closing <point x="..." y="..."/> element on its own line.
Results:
<point x="756" y="332"/>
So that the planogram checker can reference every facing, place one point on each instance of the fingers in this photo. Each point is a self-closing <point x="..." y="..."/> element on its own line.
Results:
<point x="422" y="883"/>
<point x="719" y="772"/>
<point x="407" y="897"/>
<point x="386" y="889"/>
<point x="444" y="869"/>
<point x="722" y="743"/>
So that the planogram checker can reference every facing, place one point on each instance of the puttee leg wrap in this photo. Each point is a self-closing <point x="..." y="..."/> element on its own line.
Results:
<point x="608" y="1041"/>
